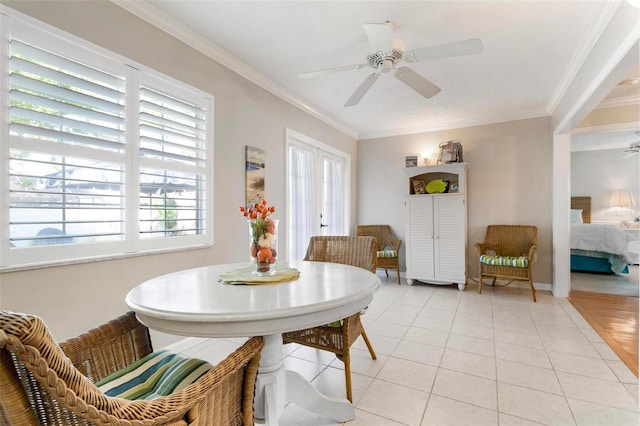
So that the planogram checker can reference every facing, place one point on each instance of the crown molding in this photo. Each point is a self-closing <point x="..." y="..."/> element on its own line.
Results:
<point x="580" y="55"/>
<point x="619" y="102"/>
<point x="472" y="122"/>
<point x="606" y="128"/>
<point x="183" y="33"/>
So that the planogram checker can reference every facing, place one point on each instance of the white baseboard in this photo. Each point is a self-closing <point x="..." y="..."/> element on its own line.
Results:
<point x="519" y="284"/>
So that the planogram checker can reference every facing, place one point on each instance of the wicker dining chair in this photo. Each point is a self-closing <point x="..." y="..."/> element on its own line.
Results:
<point x="339" y="336"/>
<point x="388" y="246"/>
<point x="45" y="383"/>
<point x="508" y="251"/>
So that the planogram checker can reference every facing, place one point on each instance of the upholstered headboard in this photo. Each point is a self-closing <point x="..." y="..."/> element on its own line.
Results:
<point x="584" y="204"/>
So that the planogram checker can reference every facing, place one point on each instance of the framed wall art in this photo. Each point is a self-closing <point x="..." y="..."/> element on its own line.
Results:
<point x="255" y="159"/>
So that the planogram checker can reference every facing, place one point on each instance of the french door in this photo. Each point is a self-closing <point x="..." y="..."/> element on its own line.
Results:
<point x="317" y="192"/>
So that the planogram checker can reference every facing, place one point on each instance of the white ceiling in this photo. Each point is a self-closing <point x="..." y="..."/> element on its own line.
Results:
<point x="531" y="50"/>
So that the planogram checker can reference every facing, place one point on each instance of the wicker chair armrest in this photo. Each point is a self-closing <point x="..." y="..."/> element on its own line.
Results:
<point x="395" y="243"/>
<point x="532" y="251"/>
<point x="484" y="247"/>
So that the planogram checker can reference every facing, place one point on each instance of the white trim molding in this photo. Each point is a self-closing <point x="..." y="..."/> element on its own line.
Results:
<point x="619" y="102"/>
<point x="477" y="121"/>
<point x="582" y="52"/>
<point x="183" y="33"/>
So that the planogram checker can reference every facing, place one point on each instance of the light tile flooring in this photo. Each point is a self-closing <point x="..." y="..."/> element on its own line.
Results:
<point x="623" y="284"/>
<point x="447" y="357"/>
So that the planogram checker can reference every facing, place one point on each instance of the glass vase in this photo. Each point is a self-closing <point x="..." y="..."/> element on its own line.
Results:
<point x="263" y="245"/>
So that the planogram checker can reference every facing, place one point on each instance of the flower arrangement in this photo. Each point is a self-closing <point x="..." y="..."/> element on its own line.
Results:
<point x="262" y="230"/>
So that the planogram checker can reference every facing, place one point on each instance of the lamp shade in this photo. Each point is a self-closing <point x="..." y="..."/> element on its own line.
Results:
<point x="622" y="198"/>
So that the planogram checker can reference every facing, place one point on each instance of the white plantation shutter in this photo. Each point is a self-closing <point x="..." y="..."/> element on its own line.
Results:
<point x="56" y="99"/>
<point x="59" y="106"/>
<point x="104" y="158"/>
<point x="173" y="144"/>
<point x="172" y="129"/>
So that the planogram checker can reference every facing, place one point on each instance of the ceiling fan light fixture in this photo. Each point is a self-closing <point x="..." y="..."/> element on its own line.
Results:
<point x="386" y="66"/>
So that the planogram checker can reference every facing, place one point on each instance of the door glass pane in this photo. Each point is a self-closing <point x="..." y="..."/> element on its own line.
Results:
<point x="333" y="202"/>
<point x="302" y="200"/>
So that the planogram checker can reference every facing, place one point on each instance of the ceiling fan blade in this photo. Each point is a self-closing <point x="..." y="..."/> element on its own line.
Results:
<point x="417" y="82"/>
<point x="362" y="90"/>
<point x="445" y="50"/>
<point x="331" y="70"/>
<point x="379" y="36"/>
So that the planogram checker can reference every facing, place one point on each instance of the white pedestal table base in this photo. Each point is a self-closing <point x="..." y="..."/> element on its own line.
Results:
<point x="276" y="386"/>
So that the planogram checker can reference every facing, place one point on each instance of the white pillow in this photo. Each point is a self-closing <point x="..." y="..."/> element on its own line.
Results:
<point x="576" y="215"/>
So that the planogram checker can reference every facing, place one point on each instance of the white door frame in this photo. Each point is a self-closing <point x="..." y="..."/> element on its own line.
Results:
<point x="603" y="69"/>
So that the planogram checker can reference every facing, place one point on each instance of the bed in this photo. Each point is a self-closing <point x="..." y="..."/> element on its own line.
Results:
<point x="597" y="248"/>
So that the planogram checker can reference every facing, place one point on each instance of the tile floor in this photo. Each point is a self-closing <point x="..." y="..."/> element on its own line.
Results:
<point x="447" y="357"/>
<point x="623" y="285"/>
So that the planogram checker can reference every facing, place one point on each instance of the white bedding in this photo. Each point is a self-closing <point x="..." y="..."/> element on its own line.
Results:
<point x="604" y="238"/>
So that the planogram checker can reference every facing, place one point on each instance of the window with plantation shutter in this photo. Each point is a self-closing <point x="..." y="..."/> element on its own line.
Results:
<point x="103" y="158"/>
<point x="172" y="164"/>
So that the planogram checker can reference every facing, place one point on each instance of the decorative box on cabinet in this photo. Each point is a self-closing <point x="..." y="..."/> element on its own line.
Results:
<point x="436" y="226"/>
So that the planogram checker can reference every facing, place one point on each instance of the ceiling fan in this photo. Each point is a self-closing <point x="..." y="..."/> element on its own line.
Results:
<point x="386" y="53"/>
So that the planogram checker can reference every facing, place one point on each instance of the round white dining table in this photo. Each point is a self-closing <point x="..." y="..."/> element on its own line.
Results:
<point x="193" y="302"/>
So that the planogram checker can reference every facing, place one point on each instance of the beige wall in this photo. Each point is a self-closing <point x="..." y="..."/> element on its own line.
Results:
<point x="509" y="181"/>
<point x="613" y="115"/>
<point x="598" y="173"/>
<point x="73" y="298"/>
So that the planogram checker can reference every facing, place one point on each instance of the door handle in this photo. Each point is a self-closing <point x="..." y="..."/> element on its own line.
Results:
<point x="322" y="225"/>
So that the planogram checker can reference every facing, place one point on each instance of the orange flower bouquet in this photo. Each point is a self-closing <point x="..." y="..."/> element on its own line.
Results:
<point x="263" y="236"/>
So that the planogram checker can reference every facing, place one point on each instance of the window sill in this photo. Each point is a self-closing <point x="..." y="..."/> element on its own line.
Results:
<point x="29" y="267"/>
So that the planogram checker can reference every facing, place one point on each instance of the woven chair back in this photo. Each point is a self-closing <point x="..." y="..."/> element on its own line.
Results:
<point x="382" y="233"/>
<point x="354" y="251"/>
<point x="511" y="240"/>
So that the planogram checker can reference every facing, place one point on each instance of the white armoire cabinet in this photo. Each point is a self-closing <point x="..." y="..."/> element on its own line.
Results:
<point x="436" y="224"/>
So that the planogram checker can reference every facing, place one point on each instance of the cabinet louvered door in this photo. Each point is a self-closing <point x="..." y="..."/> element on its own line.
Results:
<point x="436" y="226"/>
<point x="419" y="217"/>
<point x="449" y="237"/>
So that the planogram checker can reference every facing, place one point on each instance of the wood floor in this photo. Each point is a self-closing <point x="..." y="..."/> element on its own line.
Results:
<point x="615" y="319"/>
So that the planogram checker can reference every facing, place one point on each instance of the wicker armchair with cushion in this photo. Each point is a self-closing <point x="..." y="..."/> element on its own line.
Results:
<point x="338" y="337"/>
<point x="45" y="383"/>
<point x="388" y="246"/>
<point x="508" y="251"/>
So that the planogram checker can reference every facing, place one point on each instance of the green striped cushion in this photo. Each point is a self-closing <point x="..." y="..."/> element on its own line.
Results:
<point x="387" y="253"/>
<point x="158" y="374"/>
<point x="513" y="261"/>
